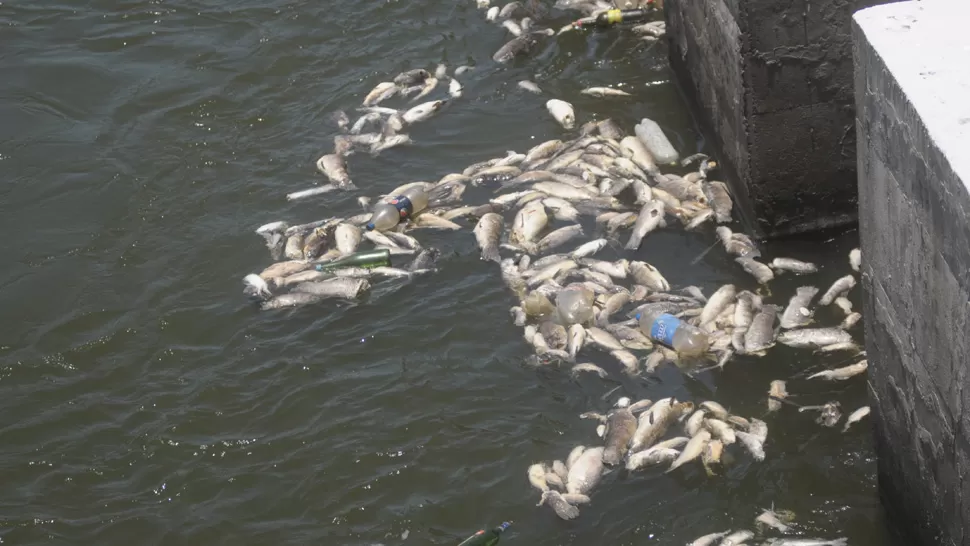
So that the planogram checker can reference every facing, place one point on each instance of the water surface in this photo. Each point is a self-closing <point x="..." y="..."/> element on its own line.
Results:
<point x="146" y="399"/>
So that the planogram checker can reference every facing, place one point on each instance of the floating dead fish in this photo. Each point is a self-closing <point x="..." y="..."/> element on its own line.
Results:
<point x="604" y="92"/>
<point x="563" y="112"/>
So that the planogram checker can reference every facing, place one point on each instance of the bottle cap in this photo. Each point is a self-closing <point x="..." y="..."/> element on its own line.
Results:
<point x="370" y="226"/>
<point x="637" y="316"/>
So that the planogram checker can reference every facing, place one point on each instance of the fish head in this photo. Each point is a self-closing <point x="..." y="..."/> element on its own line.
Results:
<point x="623" y="402"/>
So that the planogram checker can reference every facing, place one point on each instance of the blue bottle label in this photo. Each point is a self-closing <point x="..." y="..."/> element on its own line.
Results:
<point x="403" y="206"/>
<point x="664" y="328"/>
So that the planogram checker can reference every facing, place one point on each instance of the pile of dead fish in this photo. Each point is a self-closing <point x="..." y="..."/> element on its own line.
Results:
<point x="540" y="197"/>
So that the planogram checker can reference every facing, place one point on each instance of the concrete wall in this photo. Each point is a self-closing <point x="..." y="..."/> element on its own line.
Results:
<point x="773" y="82"/>
<point x="912" y="82"/>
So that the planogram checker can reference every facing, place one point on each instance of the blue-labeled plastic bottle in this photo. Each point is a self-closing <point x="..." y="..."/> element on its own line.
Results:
<point x="664" y="328"/>
<point x="388" y="214"/>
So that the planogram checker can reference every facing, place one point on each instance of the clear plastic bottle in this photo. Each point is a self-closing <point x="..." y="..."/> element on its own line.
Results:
<point x="388" y="214"/>
<point x="574" y="305"/>
<point x="664" y="328"/>
<point x="656" y="141"/>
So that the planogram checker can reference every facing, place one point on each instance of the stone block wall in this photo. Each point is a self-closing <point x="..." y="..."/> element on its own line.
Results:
<point x="912" y="85"/>
<point x="773" y="83"/>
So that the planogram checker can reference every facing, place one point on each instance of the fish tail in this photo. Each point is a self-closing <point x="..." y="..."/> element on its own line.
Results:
<point x="490" y="253"/>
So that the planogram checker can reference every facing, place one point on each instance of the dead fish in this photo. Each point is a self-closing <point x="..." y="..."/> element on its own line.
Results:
<point x="498" y="173"/>
<point x="433" y="222"/>
<point x="841" y="374"/>
<point x="855" y="259"/>
<point x="711" y="456"/>
<point x="454" y="88"/>
<point x="346" y="287"/>
<point x="761" y="272"/>
<point x="855" y="417"/>
<point x="844" y="304"/>
<point x="587" y="367"/>
<point x="752" y="444"/>
<point x="604" y="339"/>
<point x="576" y="340"/>
<point x="292" y="299"/>
<point x="813" y="338"/>
<point x="792" y="265"/>
<point x="717" y="303"/>
<point x="838" y="288"/>
<point x="829" y="413"/>
<point x="256" y="287"/>
<point x="650" y="457"/>
<point x="380" y="93"/>
<point x="283" y="269"/>
<point x="554" y="334"/>
<point x="520" y="45"/>
<point x="649" y="218"/>
<point x="492" y="13"/>
<point x="654" y="423"/>
<point x="797" y="313"/>
<point x="529" y="222"/>
<point x="488" y="231"/>
<point x="513" y="27"/>
<point x="807" y="542"/>
<point x="334" y="168"/>
<point x="529" y="86"/>
<point x="620" y="426"/>
<point x="425" y="260"/>
<point x="760" y="336"/>
<point x="737" y="244"/>
<point x="562" y="508"/>
<point x="562" y="111"/>
<point x="423" y="111"/>
<point x="774" y="519"/>
<point x="604" y="92"/>
<point x="649" y="276"/>
<point x="720" y="430"/>
<point x="294" y="247"/>
<point x="851" y="321"/>
<point x="510" y="9"/>
<point x="709" y="540"/>
<point x="412" y="77"/>
<point x="558" y="238"/>
<point x="692" y="450"/>
<point x="720" y="200"/>
<point x="776" y="393"/>
<point x="628" y="359"/>
<point x="347" y="238"/>
<point x="585" y="472"/>
<point x="637" y="152"/>
<point x="537" y="477"/>
<point x="737" y="538"/>
<point x="429" y="85"/>
<point x="588" y="249"/>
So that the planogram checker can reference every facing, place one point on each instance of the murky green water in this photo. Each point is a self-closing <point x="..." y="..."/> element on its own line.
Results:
<point x="146" y="401"/>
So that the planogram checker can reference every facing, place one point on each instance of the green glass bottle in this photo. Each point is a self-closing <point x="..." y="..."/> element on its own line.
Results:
<point x="486" y="538"/>
<point x="367" y="259"/>
<point x="613" y="17"/>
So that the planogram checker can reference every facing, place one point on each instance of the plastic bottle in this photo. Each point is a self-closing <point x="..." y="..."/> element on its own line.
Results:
<point x="574" y="305"/>
<point x="664" y="328"/>
<point x="653" y="137"/>
<point x="486" y="538"/>
<point x="367" y="259"/>
<point x="388" y="214"/>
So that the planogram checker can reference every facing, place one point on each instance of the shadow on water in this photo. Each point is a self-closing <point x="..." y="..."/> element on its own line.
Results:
<point x="144" y="397"/>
